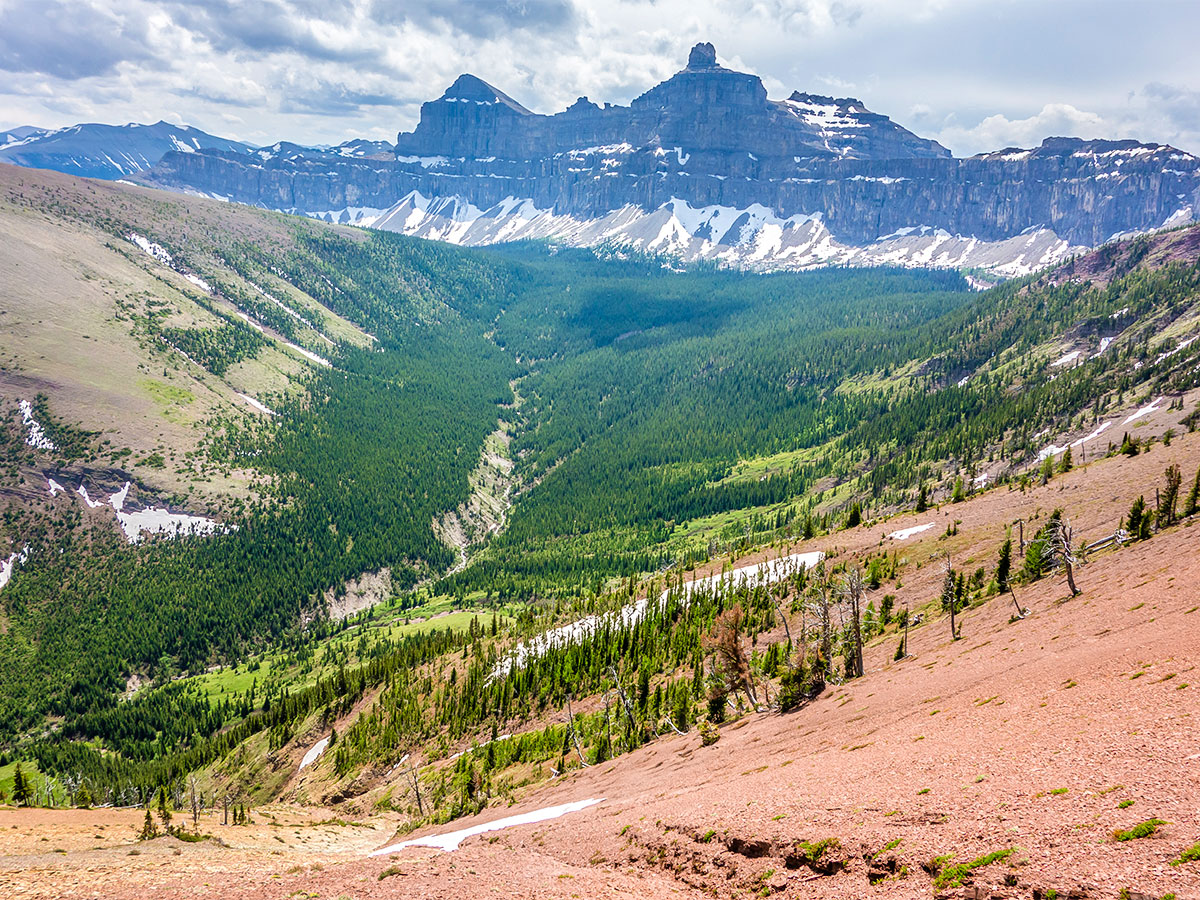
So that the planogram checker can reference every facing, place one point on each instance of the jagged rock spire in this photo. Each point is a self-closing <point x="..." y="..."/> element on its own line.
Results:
<point x="703" y="56"/>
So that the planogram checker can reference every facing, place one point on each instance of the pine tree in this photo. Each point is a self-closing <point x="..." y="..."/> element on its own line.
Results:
<point x="1065" y="464"/>
<point x="1193" y="500"/>
<point x="855" y="517"/>
<point x="164" y="809"/>
<point x="1139" y="520"/>
<point x="1047" y="469"/>
<point x="22" y="790"/>
<point x="1170" y="497"/>
<point x="149" y="829"/>
<point x="1004" y="566"/>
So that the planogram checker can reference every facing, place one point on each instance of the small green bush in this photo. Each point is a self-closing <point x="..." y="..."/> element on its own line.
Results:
<point x="1191" y="854"/>
<point x="1141" y="830"/>
<point x="952" y="876"/>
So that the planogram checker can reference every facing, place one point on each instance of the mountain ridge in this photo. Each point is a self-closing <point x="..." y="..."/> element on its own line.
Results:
<point x="798" y="183"/>
<point x="706" y="167"/>
<point x="95" y="150"/>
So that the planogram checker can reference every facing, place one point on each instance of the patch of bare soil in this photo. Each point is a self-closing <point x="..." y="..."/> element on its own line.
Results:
<point x="485" y="511"/>
<point x="1014" y="753"/>
<point x="363" y="592"/>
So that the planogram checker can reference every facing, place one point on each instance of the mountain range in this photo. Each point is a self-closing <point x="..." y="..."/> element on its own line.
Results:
<point x="106" y="151"/>
<point x="702" y="167"/>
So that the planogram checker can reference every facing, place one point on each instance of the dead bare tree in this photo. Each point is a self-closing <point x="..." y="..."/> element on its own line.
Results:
<point x="674" y="727"/>
<point x="852" y="590"/>
<point x="1062" y="540"/>
<point x="633" y="729"/>
<point x="777" y="594"/>
<point x="1021" y="612"/>
<point x="950" y="596"/>
<point x="194" y="800"/>
<point x="724" y="642"/>
<point x="821" y="590"/>
<point x="574" y="735"/>
<point x="416" y="786"/>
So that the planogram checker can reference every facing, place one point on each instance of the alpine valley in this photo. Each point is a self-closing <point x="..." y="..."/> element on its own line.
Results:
<point x="758" y="500"/>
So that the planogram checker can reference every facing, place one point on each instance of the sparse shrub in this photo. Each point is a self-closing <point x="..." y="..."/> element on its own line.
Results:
<point x="716" y="706"/>
<point x="709" y="733"/>
<point x="796" y="686"/>
<point x="814" y="850"/>
<point x="1141" y="830"/>
<point x="1191" y="854"/>
<point x="952" y="875"/>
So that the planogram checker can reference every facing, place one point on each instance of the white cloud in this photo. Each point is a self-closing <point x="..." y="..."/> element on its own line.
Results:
<point x="998" y="131"/>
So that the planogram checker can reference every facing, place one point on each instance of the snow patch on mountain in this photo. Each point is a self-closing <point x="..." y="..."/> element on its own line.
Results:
<point x="7" y="565"/>
<point x="157" y="251"/>
<point x="449" y="841"/>
<point x="753" y="237"/>
<point x="750" y="576"/>
<point x="37" y="438"/>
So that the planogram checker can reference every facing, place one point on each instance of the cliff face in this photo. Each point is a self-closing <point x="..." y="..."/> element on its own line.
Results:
<point x="706" y="111"/>
<point x="710" y="139"/>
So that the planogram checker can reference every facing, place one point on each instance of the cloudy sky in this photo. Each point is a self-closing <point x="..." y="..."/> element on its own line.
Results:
<point x="974" y="75"/>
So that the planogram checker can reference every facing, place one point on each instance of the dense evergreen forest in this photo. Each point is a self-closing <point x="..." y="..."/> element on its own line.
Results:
<point x="642" y="391"/>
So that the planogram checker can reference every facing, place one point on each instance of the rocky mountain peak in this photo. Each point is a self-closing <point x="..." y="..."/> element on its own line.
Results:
<point x="702" y="57"/>
<point x="471" y="89"/>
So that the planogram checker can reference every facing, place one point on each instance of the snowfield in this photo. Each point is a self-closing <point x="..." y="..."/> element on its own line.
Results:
<point x="157" y="251"/>
<point x="7" y="566"/>
<point x="766" y="572"/>
<point x="1151" y="407"/>
<point x="449" y="842"/>
<point x="905" y="533"/>
<point x="154" y="520"/>
<point x="257" y="404"/>
<point x="313" y="753"/>
<point x="36" y="438"/>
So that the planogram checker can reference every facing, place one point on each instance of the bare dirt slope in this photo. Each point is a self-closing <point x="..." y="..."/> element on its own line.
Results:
<point x="1032" y="739"/>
